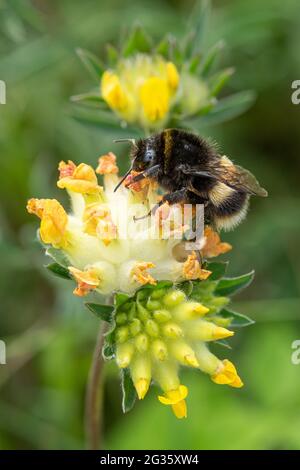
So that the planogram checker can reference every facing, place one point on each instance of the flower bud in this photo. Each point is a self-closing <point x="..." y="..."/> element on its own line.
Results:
<point x="158" y="294"/>
<point x="190" y="310"/>
<point x="141" y="374"/>
<point x="121" y="334"/>
<point x="181" y="351"/>
<point x="141" y="343"/>
<point x="159" y="350"/>
<point x="162" y="315"/>
<point x="207" y="331"/>
<point x="135" y="326"/>
<point x="124" y="354"/>
<point x="172" y="330"/>
<point x="153" y="304"/>
<point x="174" y="298"/>
<point x="152" y="328"/>
<point x="121" y="318"/>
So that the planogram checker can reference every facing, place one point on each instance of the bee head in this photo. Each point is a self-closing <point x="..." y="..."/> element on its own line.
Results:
<point x="143" y="154"/>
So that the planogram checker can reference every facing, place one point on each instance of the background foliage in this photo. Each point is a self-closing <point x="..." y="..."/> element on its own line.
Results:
<point x="50" y="336"/>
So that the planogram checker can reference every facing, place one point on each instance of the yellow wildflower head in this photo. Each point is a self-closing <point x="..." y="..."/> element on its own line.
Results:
<point x="141" y="89"/>
<point x="176" y="399"/>
<point x="80" y="179"/>
<point x="54" y="220"/>
<point x="87" y="280"/>
<point x="227" y="375"/>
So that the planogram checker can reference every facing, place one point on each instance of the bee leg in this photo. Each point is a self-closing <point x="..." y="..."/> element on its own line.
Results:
<point x="149" y="173"/>
<point x="171" y="198"/>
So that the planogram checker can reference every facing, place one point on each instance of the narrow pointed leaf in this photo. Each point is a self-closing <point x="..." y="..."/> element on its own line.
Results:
<point x="224" y="343"/>
<point x="112" y="55"/>
<point x="220" y="80"/>
<point x="230" y="286"/>
<point x="238" y="320"/>
<point x="59" y="270"/>
<point x="101" y="311"/>
<point x="138" y="42"/>
<point x="210" y="58"/>
<point x="58" y="256"/>
<point x="91" y="62"/>
<point x="218" y="269"/>
<point x="128" y="390"/>
<point x="199" y="22"/>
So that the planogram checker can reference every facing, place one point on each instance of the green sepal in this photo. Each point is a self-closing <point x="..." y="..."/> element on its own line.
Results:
<point x="58" y="256"/>
<point x="238" y="320"/>
<point x="138" y="41"/>
<point x="230" y="286"/>
<point x="128" y="391"/>
<point x="91" y="62"/>
<point x="90" y="99"/>
<point x="198" y="23"/>
<point x="112" y="55"/>
<point x="104" y="312"/>
<point x="120" y="298"/>
<point x="59" y="270"/>
<point x="218" y="269"/>
<point x="210" y="58"/>
<point x="218" y="81"/>
<point x="163" y="47"/>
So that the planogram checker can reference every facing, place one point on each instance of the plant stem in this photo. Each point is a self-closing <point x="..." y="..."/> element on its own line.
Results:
<point x="94" y="396"/>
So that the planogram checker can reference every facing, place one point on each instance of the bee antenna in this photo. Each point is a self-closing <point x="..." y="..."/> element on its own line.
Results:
<point x="123" y="179"/>
<point x="132" y="141"/>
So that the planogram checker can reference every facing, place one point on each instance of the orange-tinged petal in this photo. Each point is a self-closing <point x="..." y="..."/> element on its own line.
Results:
<point x="54" y="220"/>
<point x="87" y="280"/>
<point x="227" y="375"/>
<point x="213" y="245"/>
<point x="192" y="268"/>
<point x="107" y="164"/>
<point x="140" y="274"/>
<point x="83" y="180"/>
<point x="66" y="169"/>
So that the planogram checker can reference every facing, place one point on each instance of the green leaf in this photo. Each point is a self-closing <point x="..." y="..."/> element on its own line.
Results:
<point x="112" y="55"/>
<point x="128" y="390"/>
<point x="199" y="22"/>
<point x="91" y="62"/>
<point x="58" y="256"/>
<point x="238" y="320"/>
<point x="210" y="58"/>
<point x="101" y="311"/>
<point x="59" y="270"/>
<point x="225" y="109"/>
<point x="120" y="298"/>
<point x="218" y="269"/>
<point x="230" y="286"/>
<point x="159" y="285"/>
<point x="138" y="41"/>
<point x="224" y="343"/>
<point x="90" y="99"/>
<point x="163" y="47"/>
<point x="108" y="351"/>
<point x="186" y="287"/>
<point x="219" y="81"/>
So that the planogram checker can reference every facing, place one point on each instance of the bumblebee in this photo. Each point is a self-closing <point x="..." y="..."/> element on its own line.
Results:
<point x="192" y="171"/>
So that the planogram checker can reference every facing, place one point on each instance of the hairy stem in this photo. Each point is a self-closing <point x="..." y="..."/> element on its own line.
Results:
<point x="94" y="396"/>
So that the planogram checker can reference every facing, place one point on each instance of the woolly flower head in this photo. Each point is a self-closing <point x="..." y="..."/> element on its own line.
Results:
<point x="167" y="305"/>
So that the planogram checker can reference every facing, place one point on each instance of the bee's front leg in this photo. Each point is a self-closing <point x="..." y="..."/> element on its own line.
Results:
<point x="151" y="172"/>
<point x="171" y="198"/>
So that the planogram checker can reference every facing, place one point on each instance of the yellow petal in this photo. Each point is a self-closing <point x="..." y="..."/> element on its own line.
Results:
<point x="227" y="375"/>
<point x="54" y="220"/>
<point x="193" y="270"/>
<point x="180" y="409"/>
<point x="139" y="273"/>
<point x="113" y="92"/>
<point x="83" y="180"/>
<point x="155" y="98"/>
<point x="213" y="245"/>
<point x="172" y="75"/>
<point x="142" y="386"/>
<point x="87" y="280"/>
<point x="176" y="398"/>
<point x="107" y="164"/>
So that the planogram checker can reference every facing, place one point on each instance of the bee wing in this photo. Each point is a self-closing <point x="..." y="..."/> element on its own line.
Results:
<point x="241" y="179"/>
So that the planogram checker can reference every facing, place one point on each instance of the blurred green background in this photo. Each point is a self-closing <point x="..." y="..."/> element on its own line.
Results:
<point x="50" y="336"/>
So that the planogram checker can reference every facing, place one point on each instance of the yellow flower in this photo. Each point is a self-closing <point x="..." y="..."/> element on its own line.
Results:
<point x="142" y="89"/>
<point x="213" y="245"/>
<point x="79" y="179"/>
<point x="112" y="91"/>
<point x="87" y="280"/>
<point x="227" y="374"/>
<point x="107" y="164"/>
<point x="54" y="220"/>
<point x="176" y="398"/>
<point x="193" y="270"/>
<point x="155" y="98"/>
<point x="140" y="274"/>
